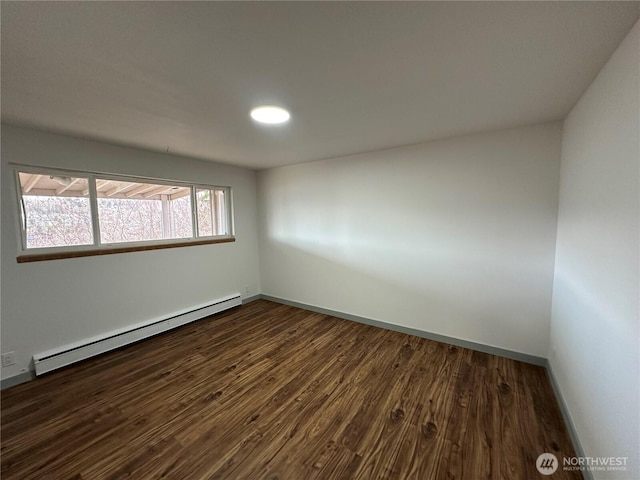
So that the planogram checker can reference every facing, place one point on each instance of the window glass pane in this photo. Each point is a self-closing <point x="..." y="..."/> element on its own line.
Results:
<point x="133" y="212"/>
<point x="212" y="212"/>
<point x="181" y="219"/>
<point x="221" y="213"/>
<point x="205" y="218"/>
<point x="57" y="211"/>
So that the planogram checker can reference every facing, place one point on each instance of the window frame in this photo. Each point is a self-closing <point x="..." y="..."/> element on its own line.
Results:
<point x="99" y="248"/>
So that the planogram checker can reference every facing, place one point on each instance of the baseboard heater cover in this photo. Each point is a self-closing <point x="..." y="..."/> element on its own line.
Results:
<point x="75" y="352"/>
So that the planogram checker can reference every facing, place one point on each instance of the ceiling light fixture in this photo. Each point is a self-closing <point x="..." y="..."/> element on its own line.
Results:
<point x="270" y="114"/>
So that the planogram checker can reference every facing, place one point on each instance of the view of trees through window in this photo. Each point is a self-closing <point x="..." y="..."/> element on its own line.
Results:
<point x="54" y="216"/>
<point x="57" y="211"/>
<point x="162" y="212"/>
<point x="56" y="222"/>
<point x="211" y="210"/>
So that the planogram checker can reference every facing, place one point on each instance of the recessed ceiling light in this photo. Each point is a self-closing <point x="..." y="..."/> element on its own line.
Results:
<point x="270" y="114"/>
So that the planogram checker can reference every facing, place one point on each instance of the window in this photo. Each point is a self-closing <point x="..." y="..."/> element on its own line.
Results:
<point x="57" y="211"/>
<point x="138" y="212"/>
<point x="212" y="212"/>
<point x="75" y="211"/>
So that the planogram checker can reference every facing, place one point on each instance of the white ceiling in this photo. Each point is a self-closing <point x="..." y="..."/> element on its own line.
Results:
<point x="356" y="76"/>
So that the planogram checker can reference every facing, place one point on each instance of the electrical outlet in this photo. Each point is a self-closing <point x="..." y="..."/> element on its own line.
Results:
<point x="8" y="359"/>
<point x="246" y="289"/>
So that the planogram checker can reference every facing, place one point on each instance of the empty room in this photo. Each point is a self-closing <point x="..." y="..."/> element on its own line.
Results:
<point x="320" y="240"/>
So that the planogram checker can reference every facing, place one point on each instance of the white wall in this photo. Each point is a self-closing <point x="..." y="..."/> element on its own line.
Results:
<point x="595" y="320"/>
<point x="455" y="237"/>
<point x="50" y="304"/>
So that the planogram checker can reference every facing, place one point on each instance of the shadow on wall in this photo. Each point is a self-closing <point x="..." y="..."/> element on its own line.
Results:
<point x="388" y="287"/>
<point x="589" y="339"/>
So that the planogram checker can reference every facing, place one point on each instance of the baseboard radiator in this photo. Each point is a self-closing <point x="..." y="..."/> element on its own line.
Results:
<point x="63" y="356"/>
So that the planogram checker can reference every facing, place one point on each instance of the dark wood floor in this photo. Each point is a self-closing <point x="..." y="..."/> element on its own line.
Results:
<point x="267" y="391"/>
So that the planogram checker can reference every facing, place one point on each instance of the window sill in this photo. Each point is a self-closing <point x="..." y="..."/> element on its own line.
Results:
<point x="40" y="257"/>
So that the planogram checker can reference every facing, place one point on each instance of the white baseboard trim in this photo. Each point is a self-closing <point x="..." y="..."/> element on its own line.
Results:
<point x="66" y="355"/>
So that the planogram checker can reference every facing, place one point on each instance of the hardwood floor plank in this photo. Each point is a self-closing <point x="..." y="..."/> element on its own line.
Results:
<point x="268" y="391"/>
